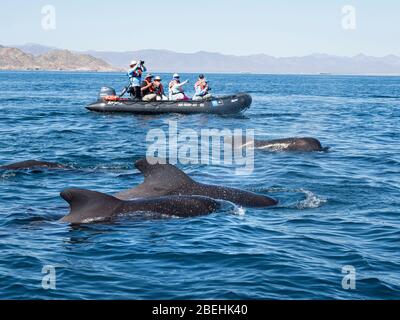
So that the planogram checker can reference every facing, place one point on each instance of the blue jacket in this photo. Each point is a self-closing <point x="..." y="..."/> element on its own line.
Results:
<point x="135" y="75"/>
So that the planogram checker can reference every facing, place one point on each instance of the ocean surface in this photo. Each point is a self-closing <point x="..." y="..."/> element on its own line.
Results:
<point x="337" y="208"/>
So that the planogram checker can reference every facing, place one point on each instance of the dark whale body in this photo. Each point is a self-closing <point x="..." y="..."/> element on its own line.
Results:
<point x="90" y="206"/>
<point x="31" y="164"/>
<point x="306" y="144"/>
<point x="166" y="179"/>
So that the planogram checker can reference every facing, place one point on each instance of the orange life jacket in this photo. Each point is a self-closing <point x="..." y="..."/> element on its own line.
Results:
<point x="200" y="83"/>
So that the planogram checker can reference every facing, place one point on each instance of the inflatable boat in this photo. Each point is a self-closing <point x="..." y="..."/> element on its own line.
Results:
<point x="108" y="101"/>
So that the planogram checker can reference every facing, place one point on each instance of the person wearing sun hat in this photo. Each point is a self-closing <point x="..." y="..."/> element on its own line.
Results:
<point x="176" y="91"/>
<point x="175" y="80"/>
<point x="148" y="89"/>
<point x="136" y="69"/>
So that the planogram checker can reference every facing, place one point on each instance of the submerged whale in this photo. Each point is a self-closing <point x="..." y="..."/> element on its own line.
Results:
<point x="166" y="179"/>
<point x="31" y="164"/>
<point x="306" y="144"/>
<point x="90" y="206"/>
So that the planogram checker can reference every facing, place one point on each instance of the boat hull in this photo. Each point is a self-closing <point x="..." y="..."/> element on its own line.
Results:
<point x="219" y="105"/>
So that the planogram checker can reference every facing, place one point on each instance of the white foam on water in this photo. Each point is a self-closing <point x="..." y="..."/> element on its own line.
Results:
<point x="311" y="201"/>
<point x="7" y="175"/>
<point x="239" y="211"/>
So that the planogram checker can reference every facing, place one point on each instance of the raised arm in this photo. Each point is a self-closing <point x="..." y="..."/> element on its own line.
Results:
<point x="182" y="83"/>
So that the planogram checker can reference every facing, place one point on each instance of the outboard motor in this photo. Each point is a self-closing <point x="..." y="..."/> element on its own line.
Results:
<point x="106" y="91"/>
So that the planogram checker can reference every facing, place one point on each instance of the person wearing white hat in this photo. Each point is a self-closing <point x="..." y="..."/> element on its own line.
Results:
<point x="136" y="69"/>
<point x="176" y="91"/>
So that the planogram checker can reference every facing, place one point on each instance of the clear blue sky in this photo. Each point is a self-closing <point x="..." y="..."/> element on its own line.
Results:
<point x="275" y="27"/>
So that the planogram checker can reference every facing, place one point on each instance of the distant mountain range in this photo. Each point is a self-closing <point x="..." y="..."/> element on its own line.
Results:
<point x="169" y="61"/>
<point x="16" y="59"/>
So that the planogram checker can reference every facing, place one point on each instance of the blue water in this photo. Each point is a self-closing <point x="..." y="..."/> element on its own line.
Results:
<point x="336" y="208"/>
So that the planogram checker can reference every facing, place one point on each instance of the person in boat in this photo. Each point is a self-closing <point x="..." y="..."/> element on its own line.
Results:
<point x="159" y="89"/>
<point x="136" y="69"/>
<point x="148" y="89"/>
<point x="176" y="91"/>
<point x="201" y="89"/>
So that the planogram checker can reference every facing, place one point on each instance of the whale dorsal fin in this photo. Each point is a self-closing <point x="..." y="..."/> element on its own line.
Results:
<point x="86" y="205"/>
<point x="159" y="180"/>
<point x="165" y="176"/>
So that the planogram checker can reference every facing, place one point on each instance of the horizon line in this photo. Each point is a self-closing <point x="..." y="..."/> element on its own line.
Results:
<point x="396" y="75"/>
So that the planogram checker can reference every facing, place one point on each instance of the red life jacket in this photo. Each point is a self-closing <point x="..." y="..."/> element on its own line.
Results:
<point x="151" y="88"/>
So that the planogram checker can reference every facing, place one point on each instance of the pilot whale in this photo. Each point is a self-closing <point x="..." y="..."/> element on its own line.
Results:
<point x="306" y="144"/>
<point x="166" y="179"/>
<point x="31" y="164"/>
<point x="90" y="206"/>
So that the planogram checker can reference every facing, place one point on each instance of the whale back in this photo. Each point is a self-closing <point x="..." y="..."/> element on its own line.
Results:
<point x="237" y="196"/>
<point x="179" y="206"/>
<point x="305" y="144"/>
<point x="159" y="180"/>
<point x="90" y="206"/>
<point x="166" y="179"/>
<point x="87" y="206"/>
<point x="28" y="164"/>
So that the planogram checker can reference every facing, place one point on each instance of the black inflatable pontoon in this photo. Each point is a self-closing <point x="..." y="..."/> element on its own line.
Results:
<point x="216" y="105"/>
